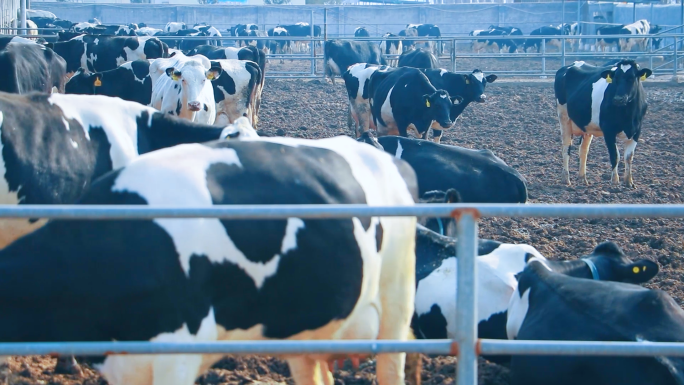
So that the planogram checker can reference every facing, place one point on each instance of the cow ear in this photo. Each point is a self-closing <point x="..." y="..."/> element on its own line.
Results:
<point x="607" y="75"/>
<point x="467" y="79"/>
<point x="214" y="72"/>
<point x="491" y="78"/>
<point x="426" y="100"/>
<point x="644" y="73"/>
<point x="640" y="271"/>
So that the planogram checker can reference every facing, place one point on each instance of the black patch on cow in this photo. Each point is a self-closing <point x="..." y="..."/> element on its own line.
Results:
<point x="418" y="58"/>
<point x="179" y="105"/>
<point x="175" y="86"/>
<point x="206" y="108"/>
<point x="378" y="235"/>
<point x="433" y="325"/>
<point x="495" y="328"/>
<point x="168" y="131"/>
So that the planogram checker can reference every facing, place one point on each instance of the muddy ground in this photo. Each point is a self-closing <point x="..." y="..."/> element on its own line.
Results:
<point x="518" y="123"/>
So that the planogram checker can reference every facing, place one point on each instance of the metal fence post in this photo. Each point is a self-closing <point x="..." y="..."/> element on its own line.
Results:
<point x="466" y="320"/>
<point x="674" y="61"/>
<point x="313" y="46"/>
<point x="543" y="47"/>
<point x="453" y="55"/>
<point x="22" y="7"/>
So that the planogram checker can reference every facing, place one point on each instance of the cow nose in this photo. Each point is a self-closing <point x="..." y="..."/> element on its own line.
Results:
<point x="445" y="124"/>
<point x="194" y="106"/>
<point x="482" y="99"/>
<point x="620" y="100"/>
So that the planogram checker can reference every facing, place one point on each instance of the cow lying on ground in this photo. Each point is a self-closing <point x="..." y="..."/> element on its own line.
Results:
<point x="604" y="101"/>
<point x="339" y="55"/>
<point x="552" y="306"/>
<point x="478" y="176"/>
<point x="130" y="81"/>
<point x="171" y="275"/>
<point x="27" y="66"/>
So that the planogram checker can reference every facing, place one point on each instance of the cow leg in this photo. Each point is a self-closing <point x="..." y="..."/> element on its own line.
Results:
<point x="308" y="371"/>
<point x="397" y="292"/>
<point x="436" y="135"/>
<point x="630" y="146"/>
<point x="614" y="155"/>
<point x="584" y="151"/>
<point x="68" y="365"/>
<point x="566" y="137"/>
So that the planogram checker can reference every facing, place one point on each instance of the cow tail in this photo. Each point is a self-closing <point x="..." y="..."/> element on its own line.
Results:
<point x="256" y="88"/>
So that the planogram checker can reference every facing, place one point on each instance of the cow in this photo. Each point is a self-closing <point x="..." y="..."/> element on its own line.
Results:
<point x="390" y="45"/>
<point x="606" y="101"/>
<point x="130" y="81"/>
<point x="173" y="26"/>
<point x="552" y="306"/>
<point x="242" y="30"/>
<point x="361" y="32"/>
<point x="548" y="30"/>
<point x="478" y="176"/>
<point x="103" y="53"/>
<point x="603" y="43"/>
<point x="301" y="29"/>
<point x="279" y="46"/>
<point x="181" y="86"/>
<point x="656" y="41"/>
<point x="495" y="40"/>
<point x="404" y="99"/>
<point x="210" y="31"/>
<point x="5" y="40"/>
<point x="508" y="30"/>
<point x="418" y="58"/>
<point x="430" y="31"/>
<point x="639" y="27"/>
<point x="498" y="265"/>
<point x="235" y="90"/>
<point x="356" y="80"/>
<point x="197" y="280"/>
<point x="572" y="29"/>
<point x="339" y="55"/>
<point x="26" y="67"/>
<point x="113" y="30"/>
<point x="147" y="31"/>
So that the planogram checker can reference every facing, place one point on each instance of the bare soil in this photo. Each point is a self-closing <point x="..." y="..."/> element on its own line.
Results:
<point x="519" y="124"/>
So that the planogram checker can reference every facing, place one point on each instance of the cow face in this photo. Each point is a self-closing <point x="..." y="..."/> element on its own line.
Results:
<point x="192" y="80"/>
<point x="612" y="264"/>
<point x="475" y="86"/>
<point x="625" y="78"/>
<point x="438" y="106"/>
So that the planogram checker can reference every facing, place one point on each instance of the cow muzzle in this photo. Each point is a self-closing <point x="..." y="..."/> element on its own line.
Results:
<point x="194" y="106"/>
<point x="620" y="100"/>
<point x="482" y="98"/>
<point x="445" y="124"/>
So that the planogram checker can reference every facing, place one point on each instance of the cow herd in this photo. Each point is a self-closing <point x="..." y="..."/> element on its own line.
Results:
<point x="105" y="119"/>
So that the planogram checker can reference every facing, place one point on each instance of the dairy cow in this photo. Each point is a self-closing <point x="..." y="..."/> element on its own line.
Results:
<point x="361" y="32"/>
<point x="356" y="81"/>
<point x="103" y="53"/>
<point x="551" y="306"/>
<point x="242" y="30"/>
<point x="606" y="101"/>
<point x="26" y="66"/>
<point x="492" y="40"/>
<point x="235" y="90"/>
<point x="107" y="265"/>
<point x="547" y="30"/>
<point x="478" y="176"/>
<point x="210" y="31"/>
<point x="602" y="44"/>
<point x="279" y="46"/>
<point x="174" y="26"/>
<point x="301" y="29"/>
<point x="418" y="58"/>
<point x="404" y="99"/>
<point x="390" y="45"/>
<point x="640" y="27"/>
<point x="181" y="86"/>
<point x="414" y="31"/>
<point x="339" y="55"/>
<point x="130" y="81"/>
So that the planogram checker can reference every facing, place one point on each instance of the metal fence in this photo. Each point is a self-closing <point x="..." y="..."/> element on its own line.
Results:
<point x="466" y="345"/>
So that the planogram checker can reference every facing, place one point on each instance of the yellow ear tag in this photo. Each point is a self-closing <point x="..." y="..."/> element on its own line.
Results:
<point x="427" y="103"/>
<point x="608" y="79"/>
<point x="643" y="268"/>
<point x="174" y="77"/>
<point x="643" y="77"/>
<point x="467" y="81"/>
<point x="635" y="270"/>
<point x="98" y="82"/>
<point x="210" y="76"/>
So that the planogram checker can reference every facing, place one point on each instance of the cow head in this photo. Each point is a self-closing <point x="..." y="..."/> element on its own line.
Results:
<point x="438" y="106"/>
<point x="192" y="80"/>
<point x="475" y="86"/>
<point x="624" y="80"/>
<point x="611" y="264"/>
<point x="84" y="83"/>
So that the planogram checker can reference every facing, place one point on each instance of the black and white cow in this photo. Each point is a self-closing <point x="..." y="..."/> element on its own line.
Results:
<point x="242" y="30"/>
<point x="54" y="146"/>
<point x="197" y="280"/>
<point x="236" y="90"/>
<point x="147" y="31"/>
<point x="130" y="81"/>
<point x="174" y="26"/>
<point x="604" y="101"/>
<point x="5" y="40"/>
<point x="414" y="31"/>
<point x="493" y="40"/>
<point x="113" y="30"/>
<point x="27" y="66"/>
<point x="656" y="41"/>
<point x="361" y="32"/>
<point x="552" y="306"/>
<point x="102" y="53"/>
<point x="339" y="55"/>
<point x="498" y="265"/>
<point x="547" y="30"/>
<point x="390" y="45"/>
<point x="478" y="176"/>
<point x="602" y="44"/>
<point x="418" y="58"/>
<point x="508" y="30"/>
<point x="404" y="99"/>
<point x="639" y="27"/>
<point x="279" y="46"/>
<point x="356" y="81"/>
<point x="182" y="86"/>
<point x="210" y="31"/>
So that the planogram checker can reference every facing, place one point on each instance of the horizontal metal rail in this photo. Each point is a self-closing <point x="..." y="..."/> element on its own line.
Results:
<point x="581" y="348"/>
<point x="100" y="212"/>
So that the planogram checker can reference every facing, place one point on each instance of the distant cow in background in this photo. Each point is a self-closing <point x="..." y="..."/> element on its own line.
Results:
<point x="418" y="58"/>
<point x="391" y="45"/>
<point x="424" y="30"/>
<point x="361" y="32"/>
<point x="339" y="55"/>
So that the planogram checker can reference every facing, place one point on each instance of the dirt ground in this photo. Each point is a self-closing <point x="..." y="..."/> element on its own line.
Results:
<point x="517" y="123"/>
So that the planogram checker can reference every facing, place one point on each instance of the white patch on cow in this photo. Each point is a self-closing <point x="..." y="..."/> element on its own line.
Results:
<point x="578" y="63"/>
<point x="73" y="143"/>
<point x="93" y="58"/>
<point x="129" y="66"/>
<point x="442" y="96"/>
<point x="386" y="109"/>
<point x="517" y="311"/>
<point x="479" y="76"/>
<point x="120" y="60"/>
<point x="442" y="71"/>
<point x="96" y="41"/>
<point x="598" y="90"/>
<point x="400" y="150"/>
<point x="200" y="236"/>
<point x="625" y="67"/>
<point x="334" y="67"/>
<point x="290" y="239"/>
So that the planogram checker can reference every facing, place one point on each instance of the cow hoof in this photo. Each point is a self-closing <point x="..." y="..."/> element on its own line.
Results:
<point x="586" y="182"/>
<point x="68" y="366"/>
